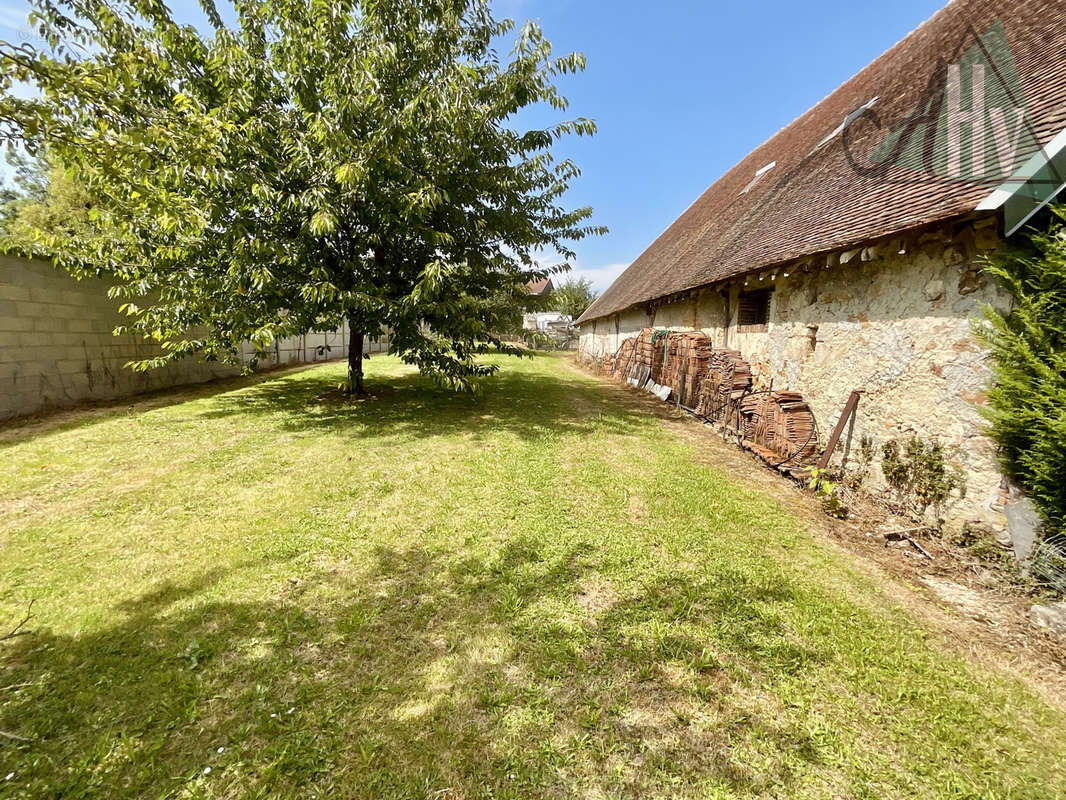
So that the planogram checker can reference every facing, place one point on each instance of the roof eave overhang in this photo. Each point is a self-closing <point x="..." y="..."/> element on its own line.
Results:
<point x="907" y="231"/>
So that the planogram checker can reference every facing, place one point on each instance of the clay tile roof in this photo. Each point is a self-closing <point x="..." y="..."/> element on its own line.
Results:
<point x="540" y="287"/>
<point x="812" y="200"/>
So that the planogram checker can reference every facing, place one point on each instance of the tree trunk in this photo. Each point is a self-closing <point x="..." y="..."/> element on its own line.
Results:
<point x="355" y="359"/>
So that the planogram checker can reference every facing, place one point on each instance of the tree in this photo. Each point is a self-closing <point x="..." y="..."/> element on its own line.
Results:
<point x="28" y="180"/>
<point x="573" y="297"/>
<point x="46" y="202"/>
<point x="314" y="162"/>
<point x="1027" y="402"/>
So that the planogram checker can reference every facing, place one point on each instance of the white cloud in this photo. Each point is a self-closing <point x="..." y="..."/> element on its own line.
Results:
<point x="15" y="18"/>
<point x="601" y="276"/>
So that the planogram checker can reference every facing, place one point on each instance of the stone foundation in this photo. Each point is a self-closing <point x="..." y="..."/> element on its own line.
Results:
<point x="893" y="320"/>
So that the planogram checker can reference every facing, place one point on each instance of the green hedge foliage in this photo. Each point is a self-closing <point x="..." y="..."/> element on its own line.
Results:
<point x="1027" y="405"/>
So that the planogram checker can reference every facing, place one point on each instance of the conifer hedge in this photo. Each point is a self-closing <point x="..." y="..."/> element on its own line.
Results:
<point x="1027" y="402"/>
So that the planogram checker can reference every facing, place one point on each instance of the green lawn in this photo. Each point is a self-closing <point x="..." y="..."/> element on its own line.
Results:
<point x="258" y="592"/>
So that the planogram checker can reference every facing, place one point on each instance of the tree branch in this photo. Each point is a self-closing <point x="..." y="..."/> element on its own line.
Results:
<point x="17" y="631"/>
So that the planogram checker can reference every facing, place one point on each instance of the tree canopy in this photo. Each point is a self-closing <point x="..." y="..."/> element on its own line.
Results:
<point x="309" y="163"/>
<point x="45" y="201"/>
<point x="573" y="297"/>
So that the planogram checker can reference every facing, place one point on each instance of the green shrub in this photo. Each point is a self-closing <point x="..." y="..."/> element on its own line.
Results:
<point x="1027" y="403"/>
<point x="919" y="473"/>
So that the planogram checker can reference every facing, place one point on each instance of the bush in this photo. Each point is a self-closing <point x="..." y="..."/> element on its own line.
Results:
<point x="1027" y="403"/>
<point x="919" y="473"/>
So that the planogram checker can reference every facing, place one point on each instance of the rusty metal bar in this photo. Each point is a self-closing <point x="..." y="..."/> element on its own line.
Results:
<point x="849" y="410"/>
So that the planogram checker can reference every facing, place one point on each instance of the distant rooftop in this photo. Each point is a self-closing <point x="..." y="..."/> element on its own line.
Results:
<point x="540" y="288"/>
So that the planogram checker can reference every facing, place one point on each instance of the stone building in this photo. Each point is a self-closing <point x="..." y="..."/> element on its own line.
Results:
<point x="845" y="252"/>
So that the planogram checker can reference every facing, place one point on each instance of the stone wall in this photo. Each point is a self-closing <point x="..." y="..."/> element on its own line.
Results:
<point x="57" y="347"/>
<point x="894" y="325"/>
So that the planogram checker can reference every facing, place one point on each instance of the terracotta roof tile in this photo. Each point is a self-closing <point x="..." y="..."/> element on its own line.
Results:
<point x="812" y="200"/>
<point x="540" y="287"/>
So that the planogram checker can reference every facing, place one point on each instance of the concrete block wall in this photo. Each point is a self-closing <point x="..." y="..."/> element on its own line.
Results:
<point x="312" y="347"/>
<point x="57" y="347"/>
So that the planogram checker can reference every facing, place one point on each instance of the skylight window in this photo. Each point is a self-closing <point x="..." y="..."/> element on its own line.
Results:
<point x="850" y="118"/>
<point x="758" y="174"/>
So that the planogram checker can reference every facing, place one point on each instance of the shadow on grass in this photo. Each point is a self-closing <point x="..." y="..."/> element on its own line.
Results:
<point x="305" y="399"/>
<point x="51" y="420"/>
<point x="424" y="675"/>
<point x="531" y="405"/>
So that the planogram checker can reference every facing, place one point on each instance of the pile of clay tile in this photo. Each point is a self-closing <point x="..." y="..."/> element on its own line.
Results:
<point x="649" y="352"/>
<point x="779" y="428"/>
<point x="638" y="351"/>
<point x="727" y="378"/>
<point x="798" y="429"/>
<point x="687" y="354"/>
<point x="717" y="386"/>
<point x="623" y="359"/>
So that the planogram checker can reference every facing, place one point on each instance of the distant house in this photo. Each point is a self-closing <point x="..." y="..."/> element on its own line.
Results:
<point x="544" y="320"/>
<point x="844" y="253"/>
<point x="539" y="320"/>
<point x="541" y="288"/>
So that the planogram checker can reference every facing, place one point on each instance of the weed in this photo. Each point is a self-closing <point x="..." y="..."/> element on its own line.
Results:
<point x="919" y="474"/>
<point x="828" y="492"/>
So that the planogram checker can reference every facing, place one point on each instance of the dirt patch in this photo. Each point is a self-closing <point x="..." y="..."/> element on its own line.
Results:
<point x="595" y="596"/>
<point x="964" y="600"/>
<point x="636" y="509"/>
<point x="976" y="610"/>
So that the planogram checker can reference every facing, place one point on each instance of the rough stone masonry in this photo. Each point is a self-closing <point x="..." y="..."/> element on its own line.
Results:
<point x="893" y="319"/>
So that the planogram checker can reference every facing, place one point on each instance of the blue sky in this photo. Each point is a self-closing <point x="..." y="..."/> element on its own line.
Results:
<point x="684" y="89"/>
<point x="681" y="91"/>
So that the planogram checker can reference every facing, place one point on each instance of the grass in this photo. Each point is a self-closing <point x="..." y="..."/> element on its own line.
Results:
<point x="256" y="591"/>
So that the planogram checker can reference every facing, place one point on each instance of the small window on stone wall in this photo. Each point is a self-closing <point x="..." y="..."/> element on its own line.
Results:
<point x="812" y="338"/>
<point x="753" y="312"/>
